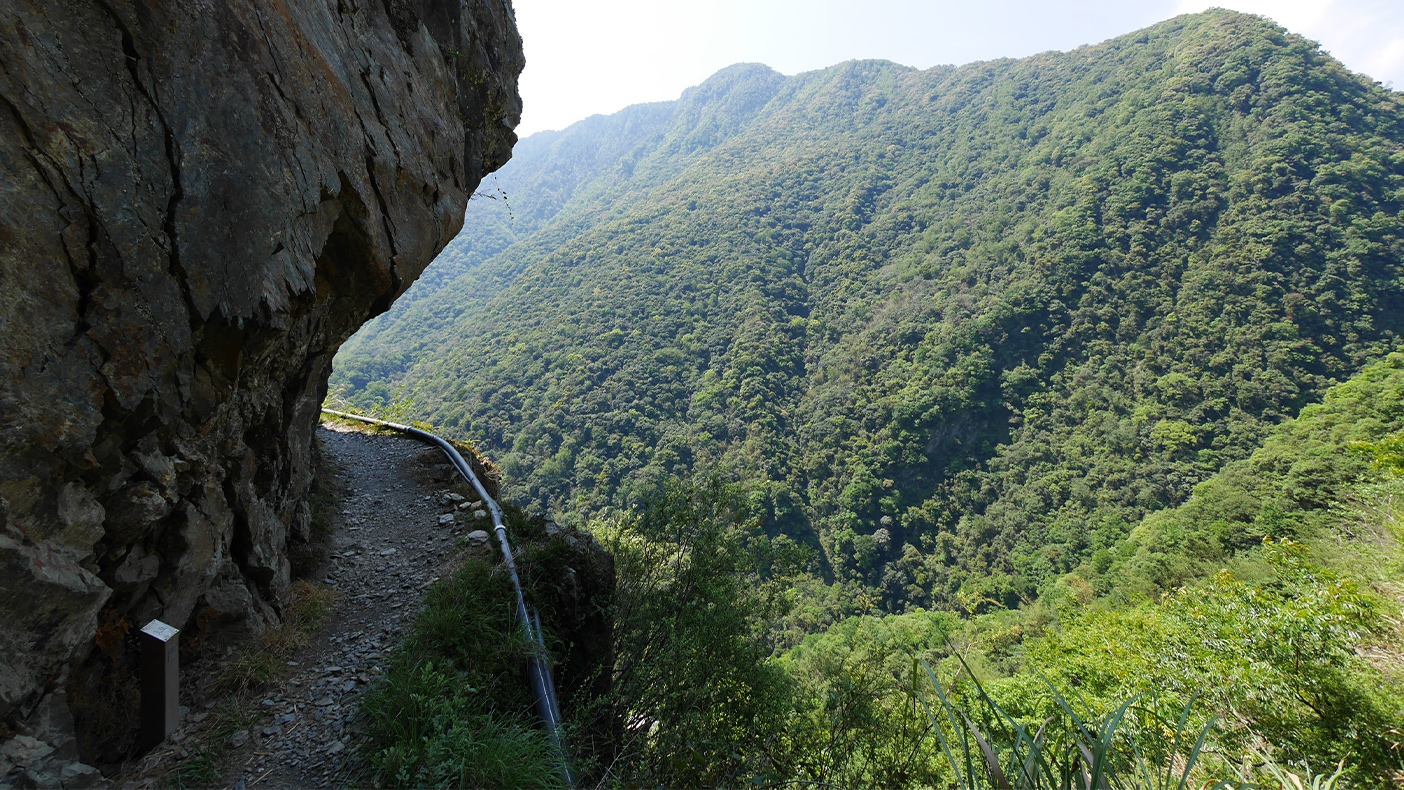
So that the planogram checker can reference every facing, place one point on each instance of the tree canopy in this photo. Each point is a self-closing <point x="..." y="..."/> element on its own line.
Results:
<point x="958" y="329"/>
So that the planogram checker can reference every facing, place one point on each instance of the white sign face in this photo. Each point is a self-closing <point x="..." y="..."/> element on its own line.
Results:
<point x="160" y="631"/>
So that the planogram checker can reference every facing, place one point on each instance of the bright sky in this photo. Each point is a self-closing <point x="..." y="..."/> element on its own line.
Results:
<point x="598" y="56"/>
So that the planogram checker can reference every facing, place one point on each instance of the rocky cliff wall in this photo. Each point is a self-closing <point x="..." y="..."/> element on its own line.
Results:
<point x="199" y="201"/>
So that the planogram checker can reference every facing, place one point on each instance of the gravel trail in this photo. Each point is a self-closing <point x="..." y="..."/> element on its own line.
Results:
<point x="389" y="543"/>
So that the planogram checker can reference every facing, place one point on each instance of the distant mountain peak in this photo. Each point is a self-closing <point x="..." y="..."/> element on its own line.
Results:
<point x="998" y="311"/>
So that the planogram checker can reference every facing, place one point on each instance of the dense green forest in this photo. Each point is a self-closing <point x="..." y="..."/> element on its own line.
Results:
<point x="1269" y="647"/>
<point x="1025" y="389"/>
<point x="957" y="328"/>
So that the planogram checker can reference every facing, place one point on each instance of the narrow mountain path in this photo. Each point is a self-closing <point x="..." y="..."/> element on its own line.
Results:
<point x="388" y="544"/>
<point x="396" y="528"/>
<point x="399" y="524"/>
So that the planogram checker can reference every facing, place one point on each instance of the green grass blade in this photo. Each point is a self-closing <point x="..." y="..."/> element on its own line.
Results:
<point x="1142" y="766"/>
<point x="1104" y="744"/>
<point x="940" y="735"/>
<point x="1179" y="731"/>
<point x="1194" y="755"/>
<point x="1035" y="762"/>
<point x="1063" y="703"/>
<point x="995" y="772"/>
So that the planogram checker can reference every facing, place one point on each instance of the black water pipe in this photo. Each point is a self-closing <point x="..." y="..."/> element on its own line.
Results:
<point x="543" y="686"/>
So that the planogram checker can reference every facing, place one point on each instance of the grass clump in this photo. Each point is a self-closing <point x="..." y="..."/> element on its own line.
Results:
<point x="453" y="710"/>
<point x="259" y="664"/>
<point x="210" y="748"/>
<point x="306" y="606"/>
<point x="200" y="770"/>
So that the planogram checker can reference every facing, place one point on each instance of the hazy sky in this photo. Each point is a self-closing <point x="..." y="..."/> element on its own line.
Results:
<point x="599" y="56"/>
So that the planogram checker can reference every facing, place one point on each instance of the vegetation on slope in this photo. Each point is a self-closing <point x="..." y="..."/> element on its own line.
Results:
<point x="455" y="707"/>
<point x="1011" y="349"/>
<point x="958" y="329"/>
<point x="1286" y="651"/>
<point x="1279" y="644"/>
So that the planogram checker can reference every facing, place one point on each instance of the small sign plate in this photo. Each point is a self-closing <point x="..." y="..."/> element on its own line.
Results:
<point x="160" y="631"/>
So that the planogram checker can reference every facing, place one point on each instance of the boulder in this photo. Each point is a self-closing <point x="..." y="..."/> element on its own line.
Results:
<point x="199" y="202"/>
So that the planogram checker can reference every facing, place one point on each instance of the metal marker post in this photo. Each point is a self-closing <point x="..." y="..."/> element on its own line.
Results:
<point x="160" y="682"/>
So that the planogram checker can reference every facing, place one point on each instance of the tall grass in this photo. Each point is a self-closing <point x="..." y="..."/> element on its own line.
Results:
<point x="1068" y="751"/>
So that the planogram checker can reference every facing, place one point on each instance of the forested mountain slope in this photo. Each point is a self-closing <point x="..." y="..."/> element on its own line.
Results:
<point x="959" y="327"/>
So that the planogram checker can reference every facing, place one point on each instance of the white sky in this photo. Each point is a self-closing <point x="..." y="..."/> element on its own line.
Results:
<point x="598" y="56"/>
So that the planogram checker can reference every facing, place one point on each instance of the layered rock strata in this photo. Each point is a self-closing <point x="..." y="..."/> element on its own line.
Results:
<point x="199" y="201"/>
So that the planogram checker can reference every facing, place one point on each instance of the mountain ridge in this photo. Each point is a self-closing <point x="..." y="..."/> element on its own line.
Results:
<point x="960" y="327"/>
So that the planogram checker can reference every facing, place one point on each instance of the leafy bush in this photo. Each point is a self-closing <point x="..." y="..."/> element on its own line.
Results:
<point x="1277" y="659"/>
<point x="701" y="703"/>
<point x="452" y="710"/>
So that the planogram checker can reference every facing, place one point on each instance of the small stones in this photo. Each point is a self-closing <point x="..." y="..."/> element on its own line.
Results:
<point x="268" y="703"/>
<point x="78" y="775"/>
<point x="238" y="739"/>
<point x="382" y="571"/>
<point x="24" y="750"/>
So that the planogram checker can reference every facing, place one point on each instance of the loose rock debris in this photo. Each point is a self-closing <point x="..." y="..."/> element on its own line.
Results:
<point x="394" y="534"/>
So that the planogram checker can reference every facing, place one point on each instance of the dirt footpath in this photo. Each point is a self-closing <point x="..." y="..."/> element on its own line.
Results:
<point x="393" y="533"/>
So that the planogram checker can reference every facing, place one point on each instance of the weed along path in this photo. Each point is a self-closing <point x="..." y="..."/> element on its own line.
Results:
<point x="386" y="548"/>
<point x="287" y="717"/>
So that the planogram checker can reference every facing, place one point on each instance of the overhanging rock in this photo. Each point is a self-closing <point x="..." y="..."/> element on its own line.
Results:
<point x="199" y="202"/>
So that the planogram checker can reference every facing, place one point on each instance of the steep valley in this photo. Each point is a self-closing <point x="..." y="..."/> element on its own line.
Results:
<point x="1024" y="391"/>
<point x="957" y="329"/>
<point x="1029" y="423"/>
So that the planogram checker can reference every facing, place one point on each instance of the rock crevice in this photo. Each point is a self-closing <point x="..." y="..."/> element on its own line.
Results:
<point x="199" y="202"/>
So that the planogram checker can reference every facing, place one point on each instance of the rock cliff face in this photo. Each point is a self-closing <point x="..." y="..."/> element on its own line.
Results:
<point x="199" y="201"/>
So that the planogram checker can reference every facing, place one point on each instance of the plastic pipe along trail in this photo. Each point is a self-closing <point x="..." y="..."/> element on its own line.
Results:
<point x="543" y="686"/>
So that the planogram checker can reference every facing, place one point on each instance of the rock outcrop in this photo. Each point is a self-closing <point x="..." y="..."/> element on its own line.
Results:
<point x="199" y="201"/>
